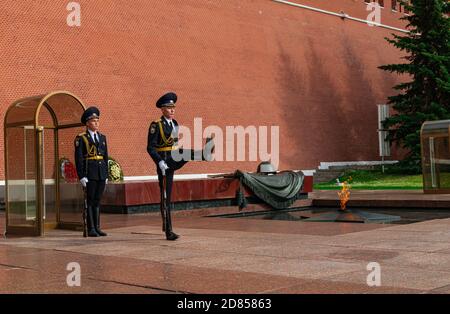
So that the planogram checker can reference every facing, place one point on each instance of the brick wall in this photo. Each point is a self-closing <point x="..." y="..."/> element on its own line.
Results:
<point x="237" y="62"/>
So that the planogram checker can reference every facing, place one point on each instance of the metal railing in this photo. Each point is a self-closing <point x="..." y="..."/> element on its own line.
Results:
<point x="341" y="15"/>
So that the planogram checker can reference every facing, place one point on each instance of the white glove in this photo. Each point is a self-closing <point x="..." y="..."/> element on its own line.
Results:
<point x="163" y="166"/>
<point x="106" y="181"/>
<point x="84" y="181"/>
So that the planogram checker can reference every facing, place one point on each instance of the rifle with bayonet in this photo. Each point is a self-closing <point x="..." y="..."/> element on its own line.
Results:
<point x="85" y="209"/>
<point x="163" y="207"/>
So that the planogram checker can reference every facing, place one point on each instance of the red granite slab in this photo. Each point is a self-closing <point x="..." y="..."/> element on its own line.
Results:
<point x="147" y="192"/>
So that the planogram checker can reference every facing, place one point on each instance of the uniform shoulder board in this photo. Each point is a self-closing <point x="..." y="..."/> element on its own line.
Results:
<point x="155" y="123"/>
<point x="78" y="138"/>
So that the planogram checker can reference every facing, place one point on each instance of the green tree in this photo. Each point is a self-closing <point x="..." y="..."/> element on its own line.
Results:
<point x="427" y="95"/>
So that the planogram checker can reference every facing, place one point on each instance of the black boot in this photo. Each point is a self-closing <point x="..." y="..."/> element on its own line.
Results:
<point x="91" y="223"/>
<point x="170" y="235"/>
<point x="97" y="222"/>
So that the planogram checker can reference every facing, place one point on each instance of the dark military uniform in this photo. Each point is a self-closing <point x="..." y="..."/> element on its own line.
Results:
<point x="91" y="158"/>
<point x="162" y="144"/>
<point x="162" y="141"/>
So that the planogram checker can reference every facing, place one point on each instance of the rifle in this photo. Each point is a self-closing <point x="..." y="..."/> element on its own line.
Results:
<point x="85" y="213"/>
<point x="85" y="209"/>
<point x="164" y="210"/>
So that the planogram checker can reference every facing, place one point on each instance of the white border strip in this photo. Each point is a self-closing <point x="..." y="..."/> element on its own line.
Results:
<point x="194" y="176"/>
<point x="30" y="182"/>
<point x="155" y="177"/>
<point x="341" y="15"/>
<point x="176" y="177"/>
<point x="327" y="165"/>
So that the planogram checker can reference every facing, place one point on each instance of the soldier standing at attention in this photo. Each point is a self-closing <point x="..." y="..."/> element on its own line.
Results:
<point x="91" y="158"/>
<point x="161" y="145"/>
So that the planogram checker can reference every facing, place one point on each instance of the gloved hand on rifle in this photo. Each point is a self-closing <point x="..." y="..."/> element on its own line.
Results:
<point x="163" y="166"/>
<point x="84" y="181"/>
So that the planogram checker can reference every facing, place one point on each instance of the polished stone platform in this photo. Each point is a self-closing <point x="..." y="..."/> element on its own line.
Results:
<point x="143" y="196"/>
<point x="218" y="255"/>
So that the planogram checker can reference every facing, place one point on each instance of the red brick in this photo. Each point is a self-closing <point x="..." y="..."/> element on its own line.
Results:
<point x="253" y="62"/>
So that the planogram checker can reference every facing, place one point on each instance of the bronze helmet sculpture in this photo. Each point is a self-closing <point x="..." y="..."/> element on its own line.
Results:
<point x="266" y="168"/>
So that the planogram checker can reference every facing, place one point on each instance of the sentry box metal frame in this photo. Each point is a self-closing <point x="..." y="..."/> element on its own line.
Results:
<point x="434" y="137"/>
<point x="39" y="132"/>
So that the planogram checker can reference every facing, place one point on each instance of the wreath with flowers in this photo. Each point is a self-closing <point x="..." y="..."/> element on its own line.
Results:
<point x="68" y="172"/>
<point x="115" y="173"/>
